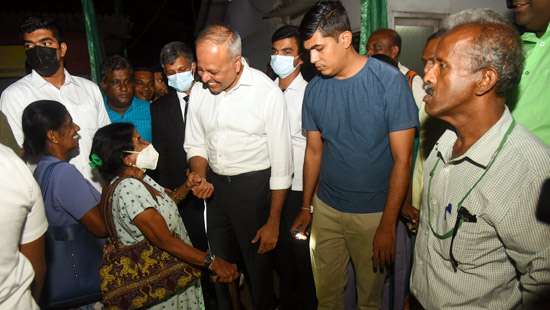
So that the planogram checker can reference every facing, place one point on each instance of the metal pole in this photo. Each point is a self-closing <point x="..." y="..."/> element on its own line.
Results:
<point x="95" y="50"/>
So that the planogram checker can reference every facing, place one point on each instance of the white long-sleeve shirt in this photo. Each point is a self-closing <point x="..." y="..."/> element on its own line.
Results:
<point x="243" y="130"/>
<point x="294" y="97"/>
<point x="80" y="96"/>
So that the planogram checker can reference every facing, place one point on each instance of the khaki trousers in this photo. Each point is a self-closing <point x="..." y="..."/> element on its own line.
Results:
<point x="337" y="237"/>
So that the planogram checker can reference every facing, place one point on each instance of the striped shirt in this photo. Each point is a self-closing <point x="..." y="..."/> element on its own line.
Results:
<point x="503" y="258"/>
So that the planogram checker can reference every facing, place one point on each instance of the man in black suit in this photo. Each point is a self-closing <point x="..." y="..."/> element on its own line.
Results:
<point x="168" y="115"/>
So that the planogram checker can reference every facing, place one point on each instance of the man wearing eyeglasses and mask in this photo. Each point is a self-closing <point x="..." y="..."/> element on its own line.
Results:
<point x="168" y="117"/>
<point x="49" y="80"/>
<point x="479" y="245"/>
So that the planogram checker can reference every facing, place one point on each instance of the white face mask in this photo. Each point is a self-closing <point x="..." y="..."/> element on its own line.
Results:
<point x="147" y="158"/>
<point x="181" y="81"/>
<point x="282" y="65"/>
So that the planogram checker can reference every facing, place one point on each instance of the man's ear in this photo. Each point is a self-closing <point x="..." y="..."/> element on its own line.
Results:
<point x="394" y="52"/>
<point x="488" y="80"/>
<point x="238" y="64"/>
<point x="300" y="61"/>
<point x="52" y="137"/>
<point x="346" y="38"/>
<point x="63" y="47"/>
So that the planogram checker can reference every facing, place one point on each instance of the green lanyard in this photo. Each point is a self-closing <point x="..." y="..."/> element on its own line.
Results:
<point x="432" y="172"/>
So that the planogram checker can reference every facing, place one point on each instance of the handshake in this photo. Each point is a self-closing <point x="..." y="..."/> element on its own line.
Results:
<point x="198" y="185"/>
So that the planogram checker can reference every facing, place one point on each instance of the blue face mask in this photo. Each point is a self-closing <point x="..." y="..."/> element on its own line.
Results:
<point x="181" y="81"/>
<point x="282" y="65"/>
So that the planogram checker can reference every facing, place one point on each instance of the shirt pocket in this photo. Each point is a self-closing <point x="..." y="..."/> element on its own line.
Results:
<point x="475" y="244"/>
<point x="84" y="115"/>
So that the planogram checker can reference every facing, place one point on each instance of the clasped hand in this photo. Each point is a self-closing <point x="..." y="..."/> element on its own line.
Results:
<point x="199" y="186"/>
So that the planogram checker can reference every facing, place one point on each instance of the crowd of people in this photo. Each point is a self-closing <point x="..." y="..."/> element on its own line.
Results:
<point x="370" y="186"/>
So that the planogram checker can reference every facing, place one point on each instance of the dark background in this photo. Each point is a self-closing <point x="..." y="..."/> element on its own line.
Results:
<point x="136" y="29"/>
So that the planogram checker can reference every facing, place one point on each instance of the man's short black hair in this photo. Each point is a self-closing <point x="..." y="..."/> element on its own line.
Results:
<point x="34" y="23"/>
<point x="394" y="37"/>
<point x="328" y="17"/>
<point x="288" y="31"/>
<point x="143" y="68"/>
<point x="157" y="68"/>
<point x="115" y="62"/>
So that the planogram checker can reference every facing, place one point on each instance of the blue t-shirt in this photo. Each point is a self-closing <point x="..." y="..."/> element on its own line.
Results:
<point x="139" y="114"/>
<point x="355" y="117"/>
<point x="68" y="196"/>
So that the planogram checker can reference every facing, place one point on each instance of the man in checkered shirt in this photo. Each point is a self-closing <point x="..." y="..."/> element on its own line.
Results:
<point x="479" y="244"/>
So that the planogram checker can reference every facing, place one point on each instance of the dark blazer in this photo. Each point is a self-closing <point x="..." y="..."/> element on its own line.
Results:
<point x="168" y="136"/>
<point x="168" y="130"/>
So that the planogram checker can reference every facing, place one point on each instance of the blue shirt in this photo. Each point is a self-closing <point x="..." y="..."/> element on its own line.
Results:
<point x="138" y="114"/>
<point x="68" y="196"/>
<point x="355" y="117"/>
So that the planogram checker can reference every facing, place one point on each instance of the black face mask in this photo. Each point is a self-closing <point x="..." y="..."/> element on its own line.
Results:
<point x="43" y="60"/>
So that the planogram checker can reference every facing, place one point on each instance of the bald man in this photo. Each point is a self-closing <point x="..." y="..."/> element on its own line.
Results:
<point x="238" y="139"/>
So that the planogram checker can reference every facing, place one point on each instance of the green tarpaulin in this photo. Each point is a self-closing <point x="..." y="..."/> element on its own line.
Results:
<point x="374" y="15"/>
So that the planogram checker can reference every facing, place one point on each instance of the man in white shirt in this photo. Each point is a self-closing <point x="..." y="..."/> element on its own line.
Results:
<point x="296" y="287"/>
<point x="479" y="244"/>
<point x="22" y="227"/>
<point x="45" y="50"/>
<point x="237" y="136"/>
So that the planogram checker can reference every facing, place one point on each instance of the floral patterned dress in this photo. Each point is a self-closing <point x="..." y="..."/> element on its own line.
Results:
<point x="130" y="198"/>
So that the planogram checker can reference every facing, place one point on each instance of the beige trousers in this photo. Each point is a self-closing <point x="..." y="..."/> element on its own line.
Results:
<point x="337" y="237"/>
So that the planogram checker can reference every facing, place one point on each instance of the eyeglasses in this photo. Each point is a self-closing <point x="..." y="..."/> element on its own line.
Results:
<point x="463" y="216"/>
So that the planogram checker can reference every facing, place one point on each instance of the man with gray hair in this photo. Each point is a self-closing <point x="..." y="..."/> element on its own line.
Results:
<point x="168" y="119"/>
<point x="474" y="15"/>
<point x="479" y="245"/>
<point x="238" y="138"/>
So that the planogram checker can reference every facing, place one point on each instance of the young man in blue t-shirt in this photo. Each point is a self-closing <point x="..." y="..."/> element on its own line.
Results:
<point x="360" y="119"/>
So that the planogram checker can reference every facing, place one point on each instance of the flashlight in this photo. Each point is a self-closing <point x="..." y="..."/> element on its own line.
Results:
<point x="299" y="235"/>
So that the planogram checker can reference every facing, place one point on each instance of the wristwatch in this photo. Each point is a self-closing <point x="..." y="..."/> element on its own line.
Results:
<point x="310" y="209"/>
<point x="209" y="259"/>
